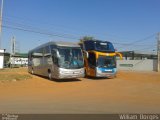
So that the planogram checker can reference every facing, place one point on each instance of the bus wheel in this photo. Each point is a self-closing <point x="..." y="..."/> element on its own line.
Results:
<point x="85" y="73"/>
<point x="49" y="75"/>
<point x="32" y="72"/>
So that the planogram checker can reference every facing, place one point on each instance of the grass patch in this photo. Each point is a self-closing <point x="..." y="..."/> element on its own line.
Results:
<point x="14" y="77"/>
<point x="12" y="69"/>
<point x="14" y="74"/>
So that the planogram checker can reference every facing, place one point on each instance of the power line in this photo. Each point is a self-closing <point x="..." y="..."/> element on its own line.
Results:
<point x="58" y="35"/>
<point x="39" y="32"/>
<point x="125" y="44"/>
<point x="107" y="34"/>
<point x="25" y="19"/>
<point x="138" y="41"/>
<point x="38" y="29"/>
<point x="23" y="27"/>
<point x="144" y="39"/>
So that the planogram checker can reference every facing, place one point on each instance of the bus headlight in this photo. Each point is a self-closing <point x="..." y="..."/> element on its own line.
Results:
<point x="99" y="71"/>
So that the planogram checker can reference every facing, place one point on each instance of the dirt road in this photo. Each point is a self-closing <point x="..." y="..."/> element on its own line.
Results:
<point x="130" y="92"/>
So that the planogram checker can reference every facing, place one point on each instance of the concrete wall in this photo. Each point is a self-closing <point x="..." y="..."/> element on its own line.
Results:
<point x="19" y="61"/>
<point x="137" y="65"/>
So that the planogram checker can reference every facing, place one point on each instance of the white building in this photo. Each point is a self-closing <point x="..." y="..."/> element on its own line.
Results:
<point x="19" y="59"/>
<point x="1" y="58"/>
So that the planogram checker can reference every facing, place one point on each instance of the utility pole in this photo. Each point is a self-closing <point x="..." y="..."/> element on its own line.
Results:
<point x="1" y="13"/>
<point x="13" y="45"/>
<point x="158" y="51"/>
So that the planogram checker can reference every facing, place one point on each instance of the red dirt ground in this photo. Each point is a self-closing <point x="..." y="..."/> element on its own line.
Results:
<point x="130" y="92"/>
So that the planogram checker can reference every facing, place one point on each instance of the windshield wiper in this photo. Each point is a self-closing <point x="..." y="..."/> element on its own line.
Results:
<point x="100" y="66"/>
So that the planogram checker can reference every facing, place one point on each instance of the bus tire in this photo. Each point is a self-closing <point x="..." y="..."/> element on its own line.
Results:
<point x="32" y="72"/>
<point x="49" y="75"/>
<point x="85" y="73"/>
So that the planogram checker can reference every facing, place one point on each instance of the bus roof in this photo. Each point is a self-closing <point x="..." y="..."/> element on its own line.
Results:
<point x="59" y="43"/>
<point x="69" y="44"/>
<point x="97" y="41"/>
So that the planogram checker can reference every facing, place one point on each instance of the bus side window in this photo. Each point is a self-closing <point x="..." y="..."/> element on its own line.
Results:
<point x="47" y="51"/>
<point x="92" y="60"/>
<point x="89" y="45"/>
<point x="54" y="55"/>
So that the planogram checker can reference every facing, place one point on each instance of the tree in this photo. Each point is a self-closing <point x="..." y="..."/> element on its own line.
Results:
<point x="85" y="38"/>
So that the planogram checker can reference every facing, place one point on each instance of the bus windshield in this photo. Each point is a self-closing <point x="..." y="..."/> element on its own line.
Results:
<point x="106" y="61"/>
<point x="70" y="58"/>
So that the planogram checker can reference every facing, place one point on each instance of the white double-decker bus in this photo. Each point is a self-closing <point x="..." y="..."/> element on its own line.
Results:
<point x="59" y="60"/>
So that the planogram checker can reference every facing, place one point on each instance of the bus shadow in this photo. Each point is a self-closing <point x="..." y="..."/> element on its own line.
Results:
<point x="99" y="78"/>
<point x="60" y="80"/>
<point x="66" y="80"/>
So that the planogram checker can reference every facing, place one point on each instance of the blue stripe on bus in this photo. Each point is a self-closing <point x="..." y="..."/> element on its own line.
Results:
<point x="108" y="69"/>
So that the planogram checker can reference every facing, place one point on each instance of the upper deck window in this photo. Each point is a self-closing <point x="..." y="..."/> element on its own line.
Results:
<point x="99" y="46"/>
<point x="104" y="46"/>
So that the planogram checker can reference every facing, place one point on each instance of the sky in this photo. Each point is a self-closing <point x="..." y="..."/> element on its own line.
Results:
<point x="128" y="24"/>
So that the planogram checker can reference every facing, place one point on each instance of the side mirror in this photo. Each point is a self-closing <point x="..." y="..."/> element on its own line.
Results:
<point x="86" y="54"/>
<point x="55" y="52"/>
<point x="120" y="55"/>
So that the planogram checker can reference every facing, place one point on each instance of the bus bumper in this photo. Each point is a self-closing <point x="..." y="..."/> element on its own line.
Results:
<point x="70" y="73"/>
<point x="109" y="75"/>
<point x="106" y="73"/>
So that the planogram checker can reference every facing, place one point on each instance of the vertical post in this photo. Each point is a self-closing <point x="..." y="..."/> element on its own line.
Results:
<point x="1" y="13"/>
<point x="13" y="45"/>
<point x="158" y="52"/>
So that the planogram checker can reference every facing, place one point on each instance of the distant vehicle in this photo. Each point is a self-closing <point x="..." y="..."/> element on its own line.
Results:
<point x="59" y="60"/>
<point x="100" y="58"/>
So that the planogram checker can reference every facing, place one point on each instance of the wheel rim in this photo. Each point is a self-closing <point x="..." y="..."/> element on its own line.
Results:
<point x="32" y="71"/>
<point x="49" y="76"/>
